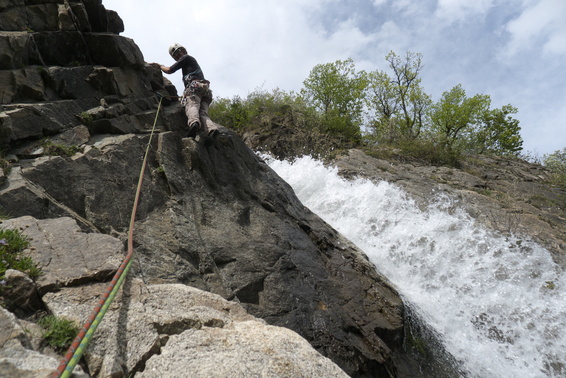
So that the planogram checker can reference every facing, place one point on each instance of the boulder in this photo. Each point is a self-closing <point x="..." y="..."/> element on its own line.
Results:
<point x="12" y="15"/>
<point x="38" y="120"/>
<point x="111" y="50"/>
<point x="17" y="359"/>
<point x="167" y="330"/>
<point x="108" y="166"/>
<point x="76" y="136"/>
<point x="93" y="257"/>
<point x="62" y="48"/>
<point x="115" y="23"/>
<point x="17" y="198"/>
<point x="19" y="294"/>
<point x="248" y="348"/>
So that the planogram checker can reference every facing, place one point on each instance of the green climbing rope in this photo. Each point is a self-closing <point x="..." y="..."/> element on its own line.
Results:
<point x="78" y="347"/>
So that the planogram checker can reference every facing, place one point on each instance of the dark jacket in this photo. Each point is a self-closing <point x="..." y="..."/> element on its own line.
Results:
<point x="190" y="68"/>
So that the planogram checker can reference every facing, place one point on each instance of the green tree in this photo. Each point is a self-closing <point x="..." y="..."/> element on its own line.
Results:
<point x="231" y="113"/>
<point x="556" y="163"/>
<point x="467" y="124"/>
<point x="498" y="132"/>
<point x="382" y="99"/>
<point x="454" y="116"/>
<point x="405" y="85"/>
<point x="337" y="91"/>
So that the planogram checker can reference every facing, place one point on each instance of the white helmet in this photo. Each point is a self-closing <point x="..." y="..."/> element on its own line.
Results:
<point x="174" y="48"/>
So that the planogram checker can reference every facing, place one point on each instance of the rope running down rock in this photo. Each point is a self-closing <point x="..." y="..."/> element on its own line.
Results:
<point x="77" y="348"/>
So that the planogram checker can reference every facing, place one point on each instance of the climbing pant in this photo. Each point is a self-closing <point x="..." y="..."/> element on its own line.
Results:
<point x="197" y="98"/>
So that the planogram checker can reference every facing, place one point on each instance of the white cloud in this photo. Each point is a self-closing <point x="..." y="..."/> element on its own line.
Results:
<point x="452" y="11"/>
<point x="407" y="7"/>
<point x="542" y="24"/>
<point x="393" y="37"/>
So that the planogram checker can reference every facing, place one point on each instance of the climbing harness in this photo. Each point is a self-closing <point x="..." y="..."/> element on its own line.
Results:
<point x="190" y="76"/>
<point x="196" y="86"/>
<point x="77" y="348"/>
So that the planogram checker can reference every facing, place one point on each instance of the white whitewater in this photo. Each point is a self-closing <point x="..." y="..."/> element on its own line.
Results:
<point x="499" y="303"/>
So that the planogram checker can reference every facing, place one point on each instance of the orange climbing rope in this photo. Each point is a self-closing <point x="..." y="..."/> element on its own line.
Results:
<point x="77" y="348"/>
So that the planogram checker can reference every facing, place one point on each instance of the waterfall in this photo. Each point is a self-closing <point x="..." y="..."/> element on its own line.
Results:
<point x="498" y="302"/>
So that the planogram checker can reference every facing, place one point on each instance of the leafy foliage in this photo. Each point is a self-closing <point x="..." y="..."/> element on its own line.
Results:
<point x="230" y="113"/>
<point x="498" y="132"/>
<point x="262" y="108"/>
<point x="381" y="110"/>
<point x="404" y="116"/>
<point x="454" y="116"/>
<point x="384" y="102"/>
<point x="402" y="102"/>
<point x="58" y="333"/>
<point x="467" y="124"/>
<point x="305" y="128"/>
<point x="5" y="165"/>
<point x="56" y="149"/>
<point x="556" y="162"/>
<point x="87" y="118"/>
<point x="12" y="245"/>
<point x="337" y="91"/>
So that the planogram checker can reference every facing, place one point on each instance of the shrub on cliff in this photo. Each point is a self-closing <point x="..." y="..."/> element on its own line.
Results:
<point x="262" y="109"/>
<point x="5" y="165"/>
<point x="58" y="333"/>
<point x="12" y="245"/>
<point x="556" y="163"/>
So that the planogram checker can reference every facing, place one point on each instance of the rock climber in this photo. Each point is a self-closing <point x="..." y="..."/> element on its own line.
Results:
<point x="197" y="95"/>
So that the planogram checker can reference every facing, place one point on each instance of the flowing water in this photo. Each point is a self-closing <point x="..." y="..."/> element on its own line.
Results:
<point x="498" y="303"/>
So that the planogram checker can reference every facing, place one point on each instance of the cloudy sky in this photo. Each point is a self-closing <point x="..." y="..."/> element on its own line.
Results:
<point x="512" y="50"/>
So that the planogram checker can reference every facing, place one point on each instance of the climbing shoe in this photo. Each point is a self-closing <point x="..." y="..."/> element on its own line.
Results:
<point x="210" y="138"/>
<point x="213" y="134"/>
<point x="193" y="130"/>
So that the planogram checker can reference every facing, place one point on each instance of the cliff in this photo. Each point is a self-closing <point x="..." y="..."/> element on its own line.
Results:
<point x="225" y="253"/>
<point x="232" y="274"/>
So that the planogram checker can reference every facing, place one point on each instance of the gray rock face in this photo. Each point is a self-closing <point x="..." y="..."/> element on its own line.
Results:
<point x="17" y="358"/>
<point x="172" y="329"/>
<point x="77" y="102"/>
<point x="243" y="349"/>
<point x="20" y="294"/>
<point x="240" y="233"/>
<point x="72" y="257"/>
<point x="160" y="325"/>
<point x="59" y="59"/>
